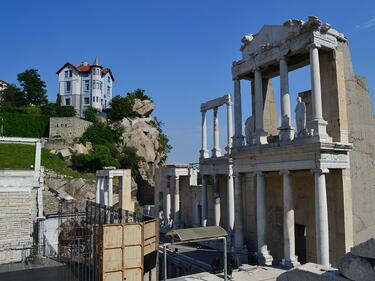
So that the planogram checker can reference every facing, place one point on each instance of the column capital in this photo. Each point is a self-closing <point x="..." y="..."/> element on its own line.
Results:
<point x="284" y="172"/>
<point x="259" y="173"/>
<point x="215" y="109"/>
<point x="283" y="57"/>
<point x="313" y="46"/>
<point x="320" y="171"/>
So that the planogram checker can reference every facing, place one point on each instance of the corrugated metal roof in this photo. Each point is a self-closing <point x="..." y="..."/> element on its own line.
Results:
<point x="196" y="233"/>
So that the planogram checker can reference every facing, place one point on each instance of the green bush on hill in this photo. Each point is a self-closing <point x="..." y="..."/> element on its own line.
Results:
<point x="23" y="125"/>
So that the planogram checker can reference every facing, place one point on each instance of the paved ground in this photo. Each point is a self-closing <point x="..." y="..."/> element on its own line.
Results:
<point x="246" y="273"/>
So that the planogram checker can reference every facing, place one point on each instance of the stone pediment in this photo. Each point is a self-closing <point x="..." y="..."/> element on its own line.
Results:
<point x="268" y="36"/>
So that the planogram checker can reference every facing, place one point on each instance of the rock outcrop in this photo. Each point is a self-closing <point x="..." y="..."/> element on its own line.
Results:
<point x="143" y="108"/>
<point x="143" y="134"/>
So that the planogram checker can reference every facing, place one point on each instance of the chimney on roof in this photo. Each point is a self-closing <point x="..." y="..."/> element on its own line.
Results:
<point x="96" y="62"/>
<point x="85" y="63"/>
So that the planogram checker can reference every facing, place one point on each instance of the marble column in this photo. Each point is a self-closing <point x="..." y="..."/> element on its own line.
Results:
<point x="105" y="191"/>
<point x="290" y="259"/>
<point x="177" y="214"/>
<point x="319" y="124"/>
<point x="204" y="150"/>
<point x="264" y="258"/>
<point x="286" y="132"/>
<point x="321" y="217"/>
<point x="260" y="135"/>
<point x="216" y="200"/>
<point x="229" y="125"/>
<point x="238" y="224"/>
<point x="110" y="191"/>
<point x="167" y="204"/>
<point x="230" y="200"/>
<point x="204" y="200"/>
<point x="238" y="136"/>
<point x="102" y="191"/>
<point x="216" y="152"/>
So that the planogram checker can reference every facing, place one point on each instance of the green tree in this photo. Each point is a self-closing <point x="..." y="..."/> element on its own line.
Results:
<point x="12" y="96"/>
<point x="130" y="160"/>
<point x="34" y="87"/>
<point x="122" y="107"/>
<point x="58" y="100"/>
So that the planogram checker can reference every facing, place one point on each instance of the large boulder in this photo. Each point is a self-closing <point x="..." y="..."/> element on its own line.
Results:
<point x="357" y="268"/>
<point x="143" y="107"/>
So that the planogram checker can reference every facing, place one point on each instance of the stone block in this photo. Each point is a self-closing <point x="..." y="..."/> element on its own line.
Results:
<point x="143" y="107"/>
<point x="312" y="272"/>
<point x="357" y="268"/>
<point x="65" y="153"/>
<point x="365" y="249"/>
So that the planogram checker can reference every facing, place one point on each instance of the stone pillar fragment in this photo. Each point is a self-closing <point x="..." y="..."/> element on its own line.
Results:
<point x="230" y="200"/>
<point x="216" y="198"/>
<point x="110" y="191"/>
<point x="264" y="258"/>
<point x="167" y="203"/>
<point x="176" y="217"/>
<point x="229" y="125"/>
<point x="321" y="217"/>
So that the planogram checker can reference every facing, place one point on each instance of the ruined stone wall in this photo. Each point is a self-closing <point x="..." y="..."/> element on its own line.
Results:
<point x="18" y="211"/>
<point x="67" y="128"/>
<point x="361" y="125"/>
<point x="190" y="199"/>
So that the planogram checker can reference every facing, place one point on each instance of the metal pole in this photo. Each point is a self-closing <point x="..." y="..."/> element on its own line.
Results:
<point x="225" y="259"/>
<point x="165" y="262"/>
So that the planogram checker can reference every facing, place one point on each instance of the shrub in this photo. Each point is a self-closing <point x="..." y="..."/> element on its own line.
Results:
<point x="99" y="157"/>
<point x="91" y="114"/>
<point x="53" y="110"/>
<point x="34" y="110"/>
<point x="23" y="125"/>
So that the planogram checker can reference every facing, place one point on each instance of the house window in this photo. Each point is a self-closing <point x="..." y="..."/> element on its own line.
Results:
<point x="68" y="86"/>
<point x="86" y="100"/>
<point x="93" y="99"/>
<point x="97" y="99"/>
<point x="68" y="73"/>
<point x="101" y="101"/>
<point x="67" y="102"/>
<point x="101" y="85"/>
<point x="87" y="85"/>
<point x="108" y="91"/>
<point x="105" y="103"/>
<point x="109" y="79"/>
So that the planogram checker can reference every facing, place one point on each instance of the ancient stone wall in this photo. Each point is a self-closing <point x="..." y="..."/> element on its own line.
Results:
<point x="18" y="211"/>
<point x="67" y="128"/>
<point x="361" y="125"/>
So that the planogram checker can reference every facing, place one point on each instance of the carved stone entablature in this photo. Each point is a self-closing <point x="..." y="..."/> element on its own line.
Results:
<point x="290" y="39"/>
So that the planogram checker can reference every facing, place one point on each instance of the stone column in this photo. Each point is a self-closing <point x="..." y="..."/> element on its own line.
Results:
<point x="260" y="134"/>
<point x="167" y="204"/>
<point x="229" y="125"/>
<point x="321" y="217"/>
<point x="290" y="259"/>
<point x="102" y="191"/>
<point x="216" y="152"/>
<point x="204" y="151"/>
<point x="204" y="200"/>
<point x="105" y="190"/>
<point x="238" y="223"/>
<point x="176" y="217"/>
<point x="98" y="186"/>
<point x="286" y="132"/>
<point x="216" y="200"/>
<point x="319" y="124"/>
<point x="110" y="191"/>
<point x="230" y="200"/>
<point x="238" y="137"/>
<point x="264" y="258"/>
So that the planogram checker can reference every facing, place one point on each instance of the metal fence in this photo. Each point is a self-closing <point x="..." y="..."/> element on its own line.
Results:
<point x="80" y="237"/>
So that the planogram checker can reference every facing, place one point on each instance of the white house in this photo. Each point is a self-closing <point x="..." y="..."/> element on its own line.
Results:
<point x="85" y="85"/>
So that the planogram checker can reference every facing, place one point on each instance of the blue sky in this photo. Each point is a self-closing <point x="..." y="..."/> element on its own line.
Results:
<point x="180" y="52"/>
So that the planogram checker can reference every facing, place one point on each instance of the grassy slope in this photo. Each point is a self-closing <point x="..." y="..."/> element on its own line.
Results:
<point x="21" y="156"/>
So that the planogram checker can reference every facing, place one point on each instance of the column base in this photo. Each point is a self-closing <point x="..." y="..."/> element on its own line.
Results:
<point x="203" y="153"/>
<point x="286" y="133"/>
<point x="216" y="152"/>
<point x="290" y="263"/>
<point x="320" y="130"/>
<point x="260" y="137"/>
<point x="264" y="258"/>
<point x="241" y="256"/>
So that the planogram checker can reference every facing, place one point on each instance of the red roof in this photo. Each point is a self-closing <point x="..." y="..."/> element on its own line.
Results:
<point x="86" y="68"/>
